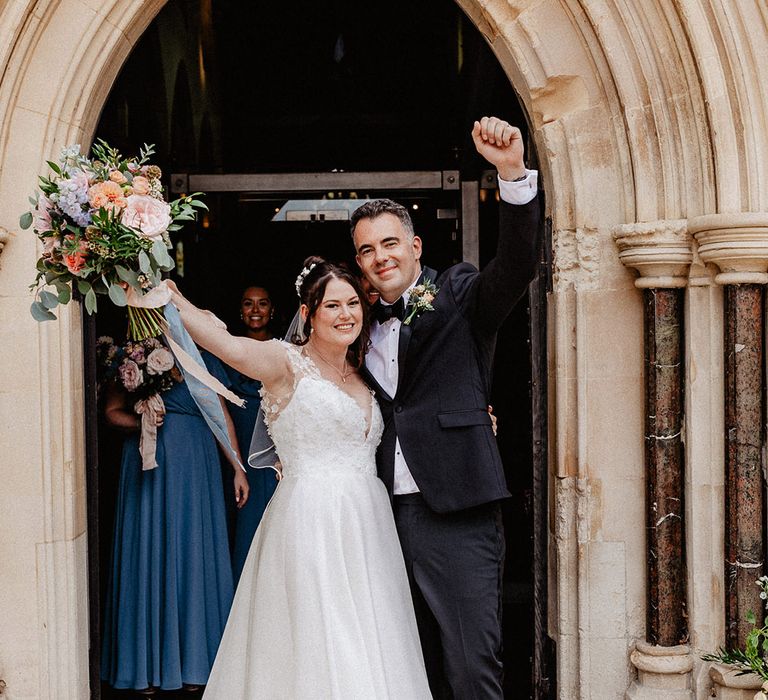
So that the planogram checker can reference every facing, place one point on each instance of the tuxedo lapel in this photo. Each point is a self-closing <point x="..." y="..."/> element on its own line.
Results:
<point x="371" y="381"/>
<point x="406" y="331"/>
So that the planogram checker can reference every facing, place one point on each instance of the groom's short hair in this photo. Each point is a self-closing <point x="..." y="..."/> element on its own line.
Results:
<point x="376" y="207"/>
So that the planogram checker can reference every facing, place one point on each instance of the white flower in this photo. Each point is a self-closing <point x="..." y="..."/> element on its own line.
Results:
<point x="159" y="360"/>
<point x="300" y="279"/>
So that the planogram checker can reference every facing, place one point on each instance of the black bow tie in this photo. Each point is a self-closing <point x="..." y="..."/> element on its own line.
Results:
<point x="383" y="312"/>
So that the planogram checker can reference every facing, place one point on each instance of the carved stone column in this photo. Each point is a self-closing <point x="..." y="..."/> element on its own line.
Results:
<point x="661" y="252"/>
<point x="738" y="245"/>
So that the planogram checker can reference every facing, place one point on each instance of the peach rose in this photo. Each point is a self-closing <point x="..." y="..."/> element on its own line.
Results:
<point x="147" y="215"/>
<point x="140" y="185"/>
<point x="117" y="177"/>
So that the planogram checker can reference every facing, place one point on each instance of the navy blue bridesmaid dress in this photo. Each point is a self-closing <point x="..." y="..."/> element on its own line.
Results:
<point x="262" y="482"/>
<point x="170" y="586"/>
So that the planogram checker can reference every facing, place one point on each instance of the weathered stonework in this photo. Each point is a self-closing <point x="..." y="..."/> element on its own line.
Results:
<point x="660" y="251"/>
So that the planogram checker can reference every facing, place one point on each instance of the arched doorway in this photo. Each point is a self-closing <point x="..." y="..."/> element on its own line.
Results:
<point x="354" y="91"/>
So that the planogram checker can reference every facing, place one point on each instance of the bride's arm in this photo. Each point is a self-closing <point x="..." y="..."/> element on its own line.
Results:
<point x="265" y="361"/>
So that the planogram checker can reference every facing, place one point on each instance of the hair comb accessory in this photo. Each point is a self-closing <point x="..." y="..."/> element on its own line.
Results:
<point x="302" y="275"/>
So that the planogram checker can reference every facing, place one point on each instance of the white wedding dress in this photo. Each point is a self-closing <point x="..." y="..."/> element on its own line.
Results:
<point x="323" y="608"/>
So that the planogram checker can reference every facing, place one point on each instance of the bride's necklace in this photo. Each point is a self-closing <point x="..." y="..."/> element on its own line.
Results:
<point x="343" y="373"/>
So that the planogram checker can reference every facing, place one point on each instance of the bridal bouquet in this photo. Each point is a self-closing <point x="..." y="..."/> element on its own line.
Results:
<point x="104" y="225"/>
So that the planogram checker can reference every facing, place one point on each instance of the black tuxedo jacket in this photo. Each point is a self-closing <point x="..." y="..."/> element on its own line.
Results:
<point x="445" y="357"/>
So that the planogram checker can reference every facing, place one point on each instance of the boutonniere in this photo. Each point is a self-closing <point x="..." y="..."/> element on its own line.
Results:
<point x="421" y="299"/>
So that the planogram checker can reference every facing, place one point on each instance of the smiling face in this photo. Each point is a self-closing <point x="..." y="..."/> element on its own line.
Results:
<point x="256" y="308"/>
<point x="338" y="319"/>
<point x="387" y="255"/>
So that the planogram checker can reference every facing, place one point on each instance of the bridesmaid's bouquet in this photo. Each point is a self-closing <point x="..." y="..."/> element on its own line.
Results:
<point x="142" y="367"/>
<point x="104" y="225"/>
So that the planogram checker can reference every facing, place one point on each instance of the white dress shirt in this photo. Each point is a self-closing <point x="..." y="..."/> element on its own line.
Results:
<point x="381" y="358"/>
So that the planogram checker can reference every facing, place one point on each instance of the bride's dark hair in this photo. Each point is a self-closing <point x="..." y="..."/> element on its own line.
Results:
<point x="311" y="291"/>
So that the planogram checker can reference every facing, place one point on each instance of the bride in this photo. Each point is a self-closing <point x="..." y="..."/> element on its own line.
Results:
<point x="323" y="608"/>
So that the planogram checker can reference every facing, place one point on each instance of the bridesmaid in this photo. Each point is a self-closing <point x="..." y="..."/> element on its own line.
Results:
<point x="256" y="313"/>
<point x="170" y="586"/>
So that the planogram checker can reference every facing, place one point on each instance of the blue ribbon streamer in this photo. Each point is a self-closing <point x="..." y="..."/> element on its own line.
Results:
<point x="207" y="399"/>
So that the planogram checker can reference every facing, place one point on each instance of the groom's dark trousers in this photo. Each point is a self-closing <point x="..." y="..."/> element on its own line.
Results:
<point x="451" y="530"/>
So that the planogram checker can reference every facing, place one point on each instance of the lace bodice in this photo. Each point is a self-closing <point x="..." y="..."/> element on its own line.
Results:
<point x="318" y="428"/>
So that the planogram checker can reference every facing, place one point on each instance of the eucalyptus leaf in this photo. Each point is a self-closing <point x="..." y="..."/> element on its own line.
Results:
<point x="49" y="300"/>
<point x="144" y="265"/>
<point x="128" y="276"/>
<point x="117" y="295"/>
<point x="160" y="253"/>
<point x="90" y="301"/>
<point x="25" y="220"/>
<point x="65" y="294"/>
<point x="158" y="249"/>
<point x="40" y="313"/>
<point x="83" y="286"/>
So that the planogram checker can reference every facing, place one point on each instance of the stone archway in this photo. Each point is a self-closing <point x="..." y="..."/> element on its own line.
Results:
<point x="641" y="112"/>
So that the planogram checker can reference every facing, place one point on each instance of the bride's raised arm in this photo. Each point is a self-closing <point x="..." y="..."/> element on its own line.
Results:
<point x="265" y="361"/>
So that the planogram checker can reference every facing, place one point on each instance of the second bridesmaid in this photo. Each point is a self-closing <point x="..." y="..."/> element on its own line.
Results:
<point x="256" y="315"/>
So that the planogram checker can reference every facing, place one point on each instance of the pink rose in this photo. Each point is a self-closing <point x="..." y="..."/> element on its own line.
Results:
<point x="140" y="185"/>
<point x="159" y="361"/>
<point x="147" y="215"/>
<point x="130" y="375"/>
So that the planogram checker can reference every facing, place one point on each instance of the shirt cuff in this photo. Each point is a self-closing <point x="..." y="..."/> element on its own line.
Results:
<point x="521" y="191"/>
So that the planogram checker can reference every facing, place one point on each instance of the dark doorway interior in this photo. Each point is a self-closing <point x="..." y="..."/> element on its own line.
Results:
<point x="230" y="87"/>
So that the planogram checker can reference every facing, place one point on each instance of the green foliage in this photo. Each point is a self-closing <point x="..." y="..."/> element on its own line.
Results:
<point x="751" y="659"/>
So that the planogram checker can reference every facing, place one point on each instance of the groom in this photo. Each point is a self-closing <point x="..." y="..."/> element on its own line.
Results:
<point x="430" y="362"/>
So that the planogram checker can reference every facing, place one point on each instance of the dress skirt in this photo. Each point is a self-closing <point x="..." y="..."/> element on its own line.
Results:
<point x="170" y="586"/>
<point x="323" y="608"/>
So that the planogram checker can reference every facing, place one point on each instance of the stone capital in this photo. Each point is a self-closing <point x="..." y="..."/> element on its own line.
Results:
<point x="663" y="673"/>
<point x="736" y="243"/>
<point x="660" y="251"/>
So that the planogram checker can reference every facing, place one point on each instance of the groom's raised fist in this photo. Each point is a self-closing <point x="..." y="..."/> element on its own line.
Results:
<point x="501" y="144"/>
